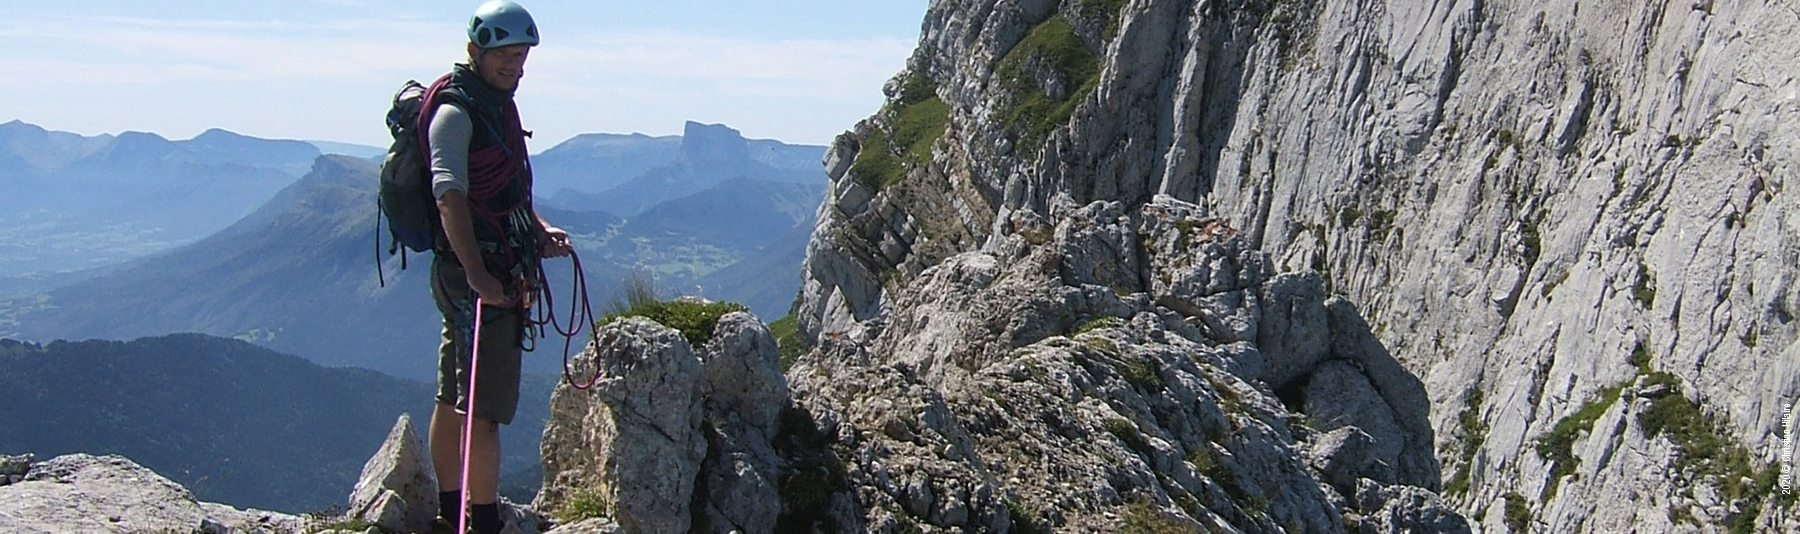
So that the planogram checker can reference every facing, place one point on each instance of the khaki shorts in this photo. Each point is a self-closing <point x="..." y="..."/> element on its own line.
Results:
<point x="497" y="384"/>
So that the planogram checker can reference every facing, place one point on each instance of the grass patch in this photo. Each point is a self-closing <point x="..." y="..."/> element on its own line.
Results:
<point x="1474" y="435"/>
<point x="1129" y="435"/>
<point x="1204" y="460"/>
<point x="694" y="320"/>
<point x="1557" y="446"/>
<point x="1142" y="517"/>
<point x="1383" y="224"/>
<point x="1705" y="450"/>
<point x="1139" y="373"/>
<point x="1186" y="229"/>
<point x="1023" y="521"/>
<point x="1101" y="323"/>
<point x="1645" y="290"/>
<point x="875" y="164"/>
<point x="918" y="119"/>
<point x="1053" y="47"/>
<point x="353" y="524"/>
<point x="918" y="126"/>
<point x="787" y="337"/>
<point x="583" y="506"/>
<point x="1534" y="244"/>
<point x="1518" y="513"/>
<point x="1228" y="398"/>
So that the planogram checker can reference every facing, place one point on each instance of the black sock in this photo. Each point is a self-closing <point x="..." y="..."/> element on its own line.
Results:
<point x="449" y="504"/>
<point x="486" y="518"/>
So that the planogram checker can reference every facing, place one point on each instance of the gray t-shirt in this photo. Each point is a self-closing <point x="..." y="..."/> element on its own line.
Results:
<point x="450" y="133"/>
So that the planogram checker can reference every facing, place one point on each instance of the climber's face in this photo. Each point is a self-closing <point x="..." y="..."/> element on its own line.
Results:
<point x="501" y="67"/>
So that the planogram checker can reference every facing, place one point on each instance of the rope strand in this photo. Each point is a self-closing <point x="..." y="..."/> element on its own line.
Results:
<point x="581" y="316"/>
<point x="469" y="416"/>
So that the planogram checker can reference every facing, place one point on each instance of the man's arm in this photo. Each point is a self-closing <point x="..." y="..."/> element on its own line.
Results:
<point x="450" y="132"/>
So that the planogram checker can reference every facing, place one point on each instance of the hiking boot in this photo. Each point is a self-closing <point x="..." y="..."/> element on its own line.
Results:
<point x="442" y="526"/>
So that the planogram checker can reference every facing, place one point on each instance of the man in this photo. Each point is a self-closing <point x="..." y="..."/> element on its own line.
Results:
<point x="489" y="249"/>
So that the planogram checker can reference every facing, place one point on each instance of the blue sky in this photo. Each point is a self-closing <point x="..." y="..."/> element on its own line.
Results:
<point x="796" y="70"/>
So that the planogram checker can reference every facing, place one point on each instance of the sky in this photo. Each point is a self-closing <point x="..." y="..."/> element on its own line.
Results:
<point x="800" y="71"/>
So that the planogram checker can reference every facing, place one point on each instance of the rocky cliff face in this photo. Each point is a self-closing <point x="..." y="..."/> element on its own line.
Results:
<point x="1567" y="219"/>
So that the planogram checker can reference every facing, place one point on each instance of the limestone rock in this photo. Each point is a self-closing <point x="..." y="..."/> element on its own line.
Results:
<point x="745" y="396"/>
<point x="83" y="493"/>
<point x="397" y="490"/>
<point x="1406" y="509"/>
<point x="588" y="526"/>
<point x="665" y="429"/>
<point x="992" y="398"/>
<point x="1345" y="455"/>
<point x="13" y="468"/>
<point x="743" y="373"/>
<point x="634" y="441"/>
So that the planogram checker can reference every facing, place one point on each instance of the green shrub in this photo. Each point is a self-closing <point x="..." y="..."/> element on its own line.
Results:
<point x="1474" y="434"/>
<point x="787" y="336"/>
<point x="1023" y="521"/>
<point x="1129" y="435"/>
<point x="1557" y="446"/>
<point x="582" y="506"/>
<point x="1518" y="513"/>
<point x="1101" y="323"/>
<point x="1142" y="517"/>
<point x="1141" y="374"/>
<point x="1645" y="290"/>
<point x="694" y="320"/>
<point x="1534" y="245"/>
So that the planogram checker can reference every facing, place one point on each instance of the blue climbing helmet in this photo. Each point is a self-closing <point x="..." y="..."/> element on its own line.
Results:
<point x="502" y="23"/>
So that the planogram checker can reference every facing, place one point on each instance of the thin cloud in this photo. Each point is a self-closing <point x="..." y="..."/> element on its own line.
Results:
<point x="804" y="89"/>
<point x="814" y="68"/>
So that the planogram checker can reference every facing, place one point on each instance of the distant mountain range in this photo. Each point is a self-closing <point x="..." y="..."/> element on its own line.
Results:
<point x="298" y="274"/>
<point x="234" y="422"/>
<point x="626" y="175"/>
<point x="76" y="202"/>
<point x="294" y="272"/>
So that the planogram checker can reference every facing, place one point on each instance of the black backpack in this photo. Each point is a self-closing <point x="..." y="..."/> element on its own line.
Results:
<point x="405" y="198"/>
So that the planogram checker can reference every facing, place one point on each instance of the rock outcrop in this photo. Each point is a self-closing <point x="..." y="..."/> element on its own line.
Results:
<point x="1562" y="224"/>
<point x="397" y="490"/>
<point x="83" y="493"/>
<point x="1030" y="387"/>
<point x="669" y="439"/>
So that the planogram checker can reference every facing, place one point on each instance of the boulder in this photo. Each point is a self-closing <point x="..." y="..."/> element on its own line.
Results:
<point x="631" y="444"/>
<point x="85" y="493"/>
<point x="397" y="490"/>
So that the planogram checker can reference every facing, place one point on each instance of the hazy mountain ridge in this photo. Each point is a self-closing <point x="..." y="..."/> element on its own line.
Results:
<point x="82" y="202"/>
<point x="635" y="173"/>
<point x="298" y="275"/>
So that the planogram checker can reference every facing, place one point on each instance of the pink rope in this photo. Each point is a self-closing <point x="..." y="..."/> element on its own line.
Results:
<point x="469" y="418"/>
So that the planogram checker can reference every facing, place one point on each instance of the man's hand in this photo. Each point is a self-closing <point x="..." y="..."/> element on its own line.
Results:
<point x="489" y="288"/>
<point x="556" y="243"/>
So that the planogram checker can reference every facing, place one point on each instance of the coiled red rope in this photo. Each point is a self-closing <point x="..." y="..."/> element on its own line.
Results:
<point x="581" y="316"/>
